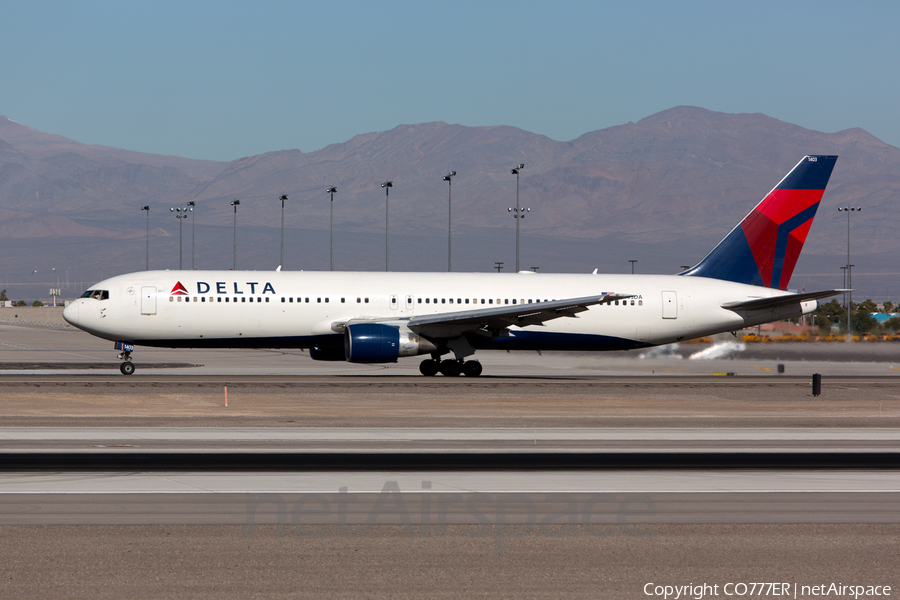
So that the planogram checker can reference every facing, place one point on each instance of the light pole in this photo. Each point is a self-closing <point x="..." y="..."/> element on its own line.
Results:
<point x="235" y="204"/>
<point x="180" y="214"/>
<point x="192" y="205"/>
<point x="848" y="210"/>
<point x="632" y="261"/>
<point x="449" y="179"/>
<point x="387" y="185"/>
<point x="498" y="265"/>
<point x="518" y="213"/>
<point x="282" y="198"/>
<point x="332" y="190"/>
<point x="147" y="208"/>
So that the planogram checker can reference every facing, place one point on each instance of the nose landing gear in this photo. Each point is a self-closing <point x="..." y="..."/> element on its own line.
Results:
<point x="450" y="368"/>
<point x="126" y="367"/>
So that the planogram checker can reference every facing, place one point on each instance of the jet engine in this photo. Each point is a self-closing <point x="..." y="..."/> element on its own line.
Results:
<point x="378" y="343"/>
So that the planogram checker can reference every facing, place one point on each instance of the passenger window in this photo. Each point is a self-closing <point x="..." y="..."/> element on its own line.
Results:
<point x="267" y="298"/>
<point x="326" y="300"/>
<point x="203" y="299"/>
<point x="443" y="301"/>
<point x="226" y="299"/>
<point x="319" y="300"/>
<point x="306" y="300"/>
<point x="514" y="300"/>
<point x="359" y="300"/>
<point x="243" y="299"/>
<point x="427" y="300"/>
<point x="490" y="300"/>
<point x="366" y="301"/>
<point x="632" y="302"/>
<point x="420" y="301"/>
<point x="467" y="300"/>
<point x="219" y="299"/>
<point x="451" y="300"/>
<point x="459" y="300"/>
<point x="617" y="302"/>
<point x="435" y="300"/>
<point x="342" y="300"/>
<point x="640" y="302"/>
<point x="506" y="301"/>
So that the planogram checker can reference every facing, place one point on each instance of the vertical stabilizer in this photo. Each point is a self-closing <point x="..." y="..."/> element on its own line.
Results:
<point x="763" y="249"/>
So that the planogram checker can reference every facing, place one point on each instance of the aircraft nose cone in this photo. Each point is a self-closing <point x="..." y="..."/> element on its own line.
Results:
<point x="70" y="314"/>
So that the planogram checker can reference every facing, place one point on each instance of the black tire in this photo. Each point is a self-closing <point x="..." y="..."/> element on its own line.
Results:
<point x="450" y="368"/>
<point x="428" y="367"/>
<point x="472" y="368"/>
<point x="127" y="368"/>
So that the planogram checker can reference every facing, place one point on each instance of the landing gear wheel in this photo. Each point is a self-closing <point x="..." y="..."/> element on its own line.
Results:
<point x="428" y="367"/>
<point x="471" y="368"/>
<point x="450" y="368"/>
<point x="127" y="368"/>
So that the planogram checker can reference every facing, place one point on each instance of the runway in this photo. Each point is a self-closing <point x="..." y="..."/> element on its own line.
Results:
<point x="193" y="476"/>
<point x="576" y="475"/>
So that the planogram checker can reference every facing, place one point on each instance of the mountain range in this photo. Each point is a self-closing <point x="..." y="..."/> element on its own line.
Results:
<point x="662" y="190"/>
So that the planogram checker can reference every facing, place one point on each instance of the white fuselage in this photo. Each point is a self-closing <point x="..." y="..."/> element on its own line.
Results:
<point x="299" y="309"/>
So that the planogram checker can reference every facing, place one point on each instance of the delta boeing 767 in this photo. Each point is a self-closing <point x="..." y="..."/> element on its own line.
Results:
<point x="379" y="317"/>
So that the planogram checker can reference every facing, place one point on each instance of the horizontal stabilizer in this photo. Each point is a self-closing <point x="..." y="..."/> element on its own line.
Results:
<point x="776" y="301"/>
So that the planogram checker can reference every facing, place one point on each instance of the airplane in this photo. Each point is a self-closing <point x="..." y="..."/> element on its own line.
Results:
<point x="374" y="317"/>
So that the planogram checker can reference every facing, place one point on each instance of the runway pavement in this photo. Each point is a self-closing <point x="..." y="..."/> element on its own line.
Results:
<point x="418" y="439"/>
<point x="314" y="480"/>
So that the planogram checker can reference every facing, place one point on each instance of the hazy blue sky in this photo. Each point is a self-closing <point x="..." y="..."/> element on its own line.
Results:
<point x="222" y="80"/>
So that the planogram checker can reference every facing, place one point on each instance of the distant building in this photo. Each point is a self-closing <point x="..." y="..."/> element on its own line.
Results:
<point x="882" y="317"/>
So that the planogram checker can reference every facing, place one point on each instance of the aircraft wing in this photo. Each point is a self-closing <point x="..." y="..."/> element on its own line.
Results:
<point x="498" y="318"/>
<point x="776" y="301"/>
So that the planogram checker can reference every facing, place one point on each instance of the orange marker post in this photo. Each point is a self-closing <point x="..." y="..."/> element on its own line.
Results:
<point x="226" y="395"/>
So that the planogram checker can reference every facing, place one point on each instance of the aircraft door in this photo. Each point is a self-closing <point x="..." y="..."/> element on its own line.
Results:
<point x="670" y="305"/>
<point x="148" y="300"/>
<point x="409" y="304"/>
<point x="394" y="303"/>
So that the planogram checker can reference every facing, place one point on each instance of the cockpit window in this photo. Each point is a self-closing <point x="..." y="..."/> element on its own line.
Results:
<point x="96" y="294"/>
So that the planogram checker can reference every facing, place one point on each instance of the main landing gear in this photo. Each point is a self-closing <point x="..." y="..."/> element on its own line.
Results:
<point x="450" y="368"/>
<point x="126" y="367"/>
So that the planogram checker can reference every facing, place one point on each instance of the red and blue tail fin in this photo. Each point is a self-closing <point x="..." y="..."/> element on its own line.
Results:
<point x="763" y="249"/>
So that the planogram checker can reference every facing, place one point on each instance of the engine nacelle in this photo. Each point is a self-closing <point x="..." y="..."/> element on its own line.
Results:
<point x="378" y="343"/>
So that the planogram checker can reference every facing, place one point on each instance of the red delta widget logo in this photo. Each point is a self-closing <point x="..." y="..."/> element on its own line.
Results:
<point x="222" y="287"/>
